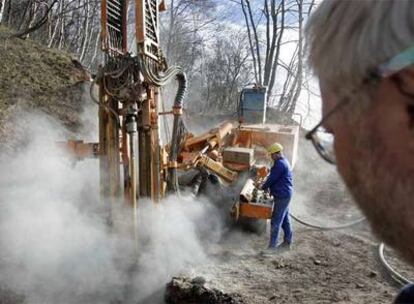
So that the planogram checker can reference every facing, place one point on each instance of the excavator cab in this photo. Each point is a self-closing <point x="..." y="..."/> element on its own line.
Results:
<point x="252" y="105"/>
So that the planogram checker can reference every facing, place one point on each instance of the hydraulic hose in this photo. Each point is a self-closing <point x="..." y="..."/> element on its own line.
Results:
<point x="178" y="104"/>
<point x="395" y="275"/>
<point x="106" y="107"/>
<point x="160" y="80"/>
<point x="327" y="227"/>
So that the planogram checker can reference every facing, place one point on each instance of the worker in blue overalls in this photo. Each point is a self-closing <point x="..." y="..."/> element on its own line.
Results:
<point x="279" y="183"/>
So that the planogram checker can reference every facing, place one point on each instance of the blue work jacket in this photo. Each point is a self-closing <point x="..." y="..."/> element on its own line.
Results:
<point x="279" y="181"/>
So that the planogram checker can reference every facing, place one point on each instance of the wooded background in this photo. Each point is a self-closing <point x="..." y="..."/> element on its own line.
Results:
<point x="222" y="45"/>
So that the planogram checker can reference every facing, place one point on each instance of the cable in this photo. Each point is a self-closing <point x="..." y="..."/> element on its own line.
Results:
<point x="327" y="227"/>
<point x="118" y="73"/>
<point x="102" y="104"/>
<point x="115" y="80"/>
<point x="395" y="275"/>
<point x="157" y="80"/>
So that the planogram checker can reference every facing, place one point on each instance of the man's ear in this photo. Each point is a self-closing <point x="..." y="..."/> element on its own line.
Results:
<point x="406" y="82"/>
<point x="410" y="111"/>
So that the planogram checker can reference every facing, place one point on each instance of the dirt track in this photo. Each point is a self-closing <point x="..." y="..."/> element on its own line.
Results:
<point x="333" y="266"/>
<point x="338" y="266"/>
<point x="323" y="267"/>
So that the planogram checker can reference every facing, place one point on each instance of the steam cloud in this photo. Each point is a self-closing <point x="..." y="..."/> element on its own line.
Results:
<point x="56" y="245"/>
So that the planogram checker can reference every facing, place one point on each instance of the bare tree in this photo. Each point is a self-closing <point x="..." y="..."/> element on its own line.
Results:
<point x="225" y="71"/>
<point x="57" y="22"/>
<point x="72" y="25"/>
<point x="253" y="39"/>
<point x="279" y="16"/>
<point x="190" y="32"/>
<point x="293" y="83"/>
<point x="181" y="30"/>
<point x="3" y="5"/>
<point x="33" y="22"/>
<point x="86" y="29"/>
<point x="273" y="12"/>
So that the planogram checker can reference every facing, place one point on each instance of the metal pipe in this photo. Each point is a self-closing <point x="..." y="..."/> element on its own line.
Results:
<point x="132" y="168"/>
<point x="131" y="129"/>
<point x="394" y="274"/>
<point x="143" y="169"/>
<point x="133" y="186"/>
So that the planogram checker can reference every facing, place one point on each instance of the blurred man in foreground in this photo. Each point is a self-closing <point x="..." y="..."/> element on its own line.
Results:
<point x="363" y="54"/>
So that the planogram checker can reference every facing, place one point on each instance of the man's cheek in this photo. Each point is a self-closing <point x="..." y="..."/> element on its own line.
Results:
<point x="344" y="150"/>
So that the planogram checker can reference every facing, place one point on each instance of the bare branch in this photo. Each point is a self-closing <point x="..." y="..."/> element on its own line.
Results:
<point x="38" y="25"/>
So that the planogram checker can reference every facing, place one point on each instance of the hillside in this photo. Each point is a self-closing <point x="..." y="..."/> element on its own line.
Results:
<point x="36" y="78"/>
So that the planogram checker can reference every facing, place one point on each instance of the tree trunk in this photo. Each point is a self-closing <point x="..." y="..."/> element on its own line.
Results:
<point x="95" y="50"/>
<point x="86" y="31"/>
<point x="257" y="44"/>
<point x="8" y="12"/>
<point x="276" y="58"/>
<point x="58" y="18"/>
<point x="299" y="76"/>
<point x="26" y="10"/>
<point x="62" y="33"/>
<point x="170" y="30"/>
<point x="33" y="15"/>
<point x="3" y="5"/>
<point x="271" y="44"/>
<point x="256" y="76"/>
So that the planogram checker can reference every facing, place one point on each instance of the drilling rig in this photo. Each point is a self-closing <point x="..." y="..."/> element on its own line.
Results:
<point x="129" y="91"/>
<point x="133" y="164"/>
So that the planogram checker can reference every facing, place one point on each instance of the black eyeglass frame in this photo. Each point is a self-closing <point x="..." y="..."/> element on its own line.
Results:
<point x="346" y="99"/>
<point x="388" y="69"/>
<point x="311" y="134"/>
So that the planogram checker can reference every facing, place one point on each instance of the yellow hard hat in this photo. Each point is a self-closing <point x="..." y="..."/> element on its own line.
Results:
<point x="274" y="148"/>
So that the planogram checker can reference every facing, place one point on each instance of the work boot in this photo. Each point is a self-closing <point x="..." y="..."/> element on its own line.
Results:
<point x="271" y="246"/>
<point x="269" y="250"/>
<point x="285" y="246"/>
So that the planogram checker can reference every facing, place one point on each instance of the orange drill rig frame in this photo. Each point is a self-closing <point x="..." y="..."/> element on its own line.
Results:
<point x="132" y="162"/>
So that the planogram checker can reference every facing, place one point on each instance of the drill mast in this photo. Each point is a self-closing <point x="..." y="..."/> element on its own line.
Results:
<point x="129" y="90"/>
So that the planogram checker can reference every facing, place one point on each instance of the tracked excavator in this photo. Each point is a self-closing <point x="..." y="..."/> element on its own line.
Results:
<point x="133" y="163"/>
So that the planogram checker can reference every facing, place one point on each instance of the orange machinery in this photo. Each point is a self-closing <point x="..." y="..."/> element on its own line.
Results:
<point x="231" y="150"/>
<point x="132" y="162"/>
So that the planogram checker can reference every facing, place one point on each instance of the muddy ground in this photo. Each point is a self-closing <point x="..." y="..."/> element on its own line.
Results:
<point x="323" y="266"/>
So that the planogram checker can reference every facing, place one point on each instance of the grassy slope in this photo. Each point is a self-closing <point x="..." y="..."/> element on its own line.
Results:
<point x="35" y="77"/>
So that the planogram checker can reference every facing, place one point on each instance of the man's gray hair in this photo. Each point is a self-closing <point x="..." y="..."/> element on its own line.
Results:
<point x="348" y="39"/>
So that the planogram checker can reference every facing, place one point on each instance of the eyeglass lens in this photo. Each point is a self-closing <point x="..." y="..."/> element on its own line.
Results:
<point x="324" y="142"/>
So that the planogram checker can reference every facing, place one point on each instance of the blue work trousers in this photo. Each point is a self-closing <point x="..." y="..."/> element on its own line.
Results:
<point x="406" y="295"/>
<point x="280" y="218"/>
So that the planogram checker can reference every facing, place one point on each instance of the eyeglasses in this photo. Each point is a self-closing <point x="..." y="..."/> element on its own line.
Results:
<point x="322" y="140"/>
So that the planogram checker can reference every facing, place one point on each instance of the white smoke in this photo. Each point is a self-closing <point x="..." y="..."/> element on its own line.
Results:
<point x="56" y="244"/>
<point x="320" y="197"/>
